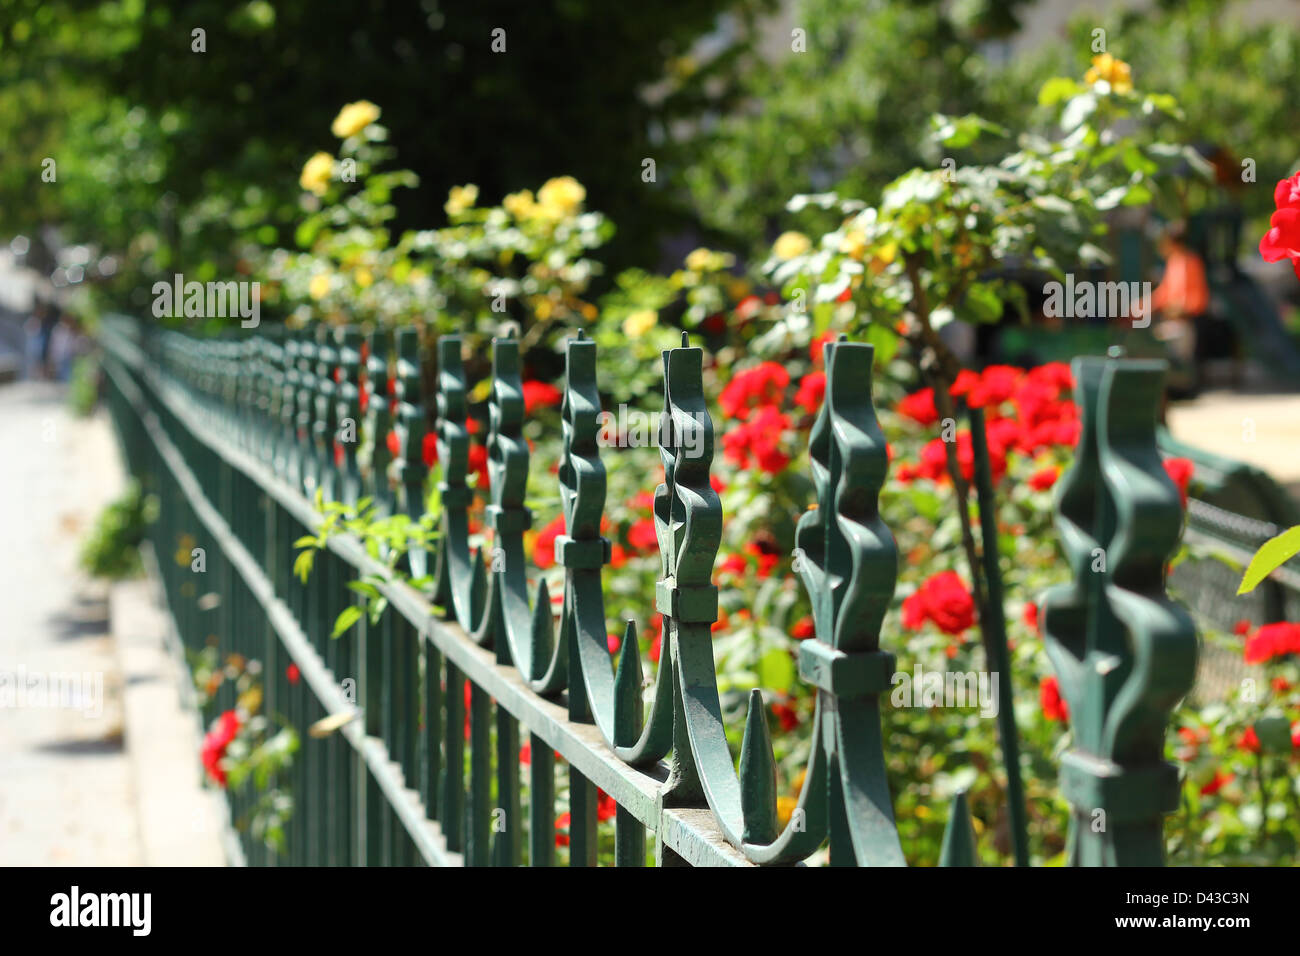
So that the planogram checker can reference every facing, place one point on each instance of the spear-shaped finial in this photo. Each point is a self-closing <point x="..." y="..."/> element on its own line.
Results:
<point x="757" y="775"/>
<point x="627" y="690"/>
<point x="958" y="848"/>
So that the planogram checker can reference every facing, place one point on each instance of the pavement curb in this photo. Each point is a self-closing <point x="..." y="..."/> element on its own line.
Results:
<point x="181" y="822"/>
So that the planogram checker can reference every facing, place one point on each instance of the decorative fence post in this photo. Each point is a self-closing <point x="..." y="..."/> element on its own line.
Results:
<point x="324" y="426"/>
<point x="380" y="416"/>
<point x="1124" y="651"/>
<point x="349" y="411"/>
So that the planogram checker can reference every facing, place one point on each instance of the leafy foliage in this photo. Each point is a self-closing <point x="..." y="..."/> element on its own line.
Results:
<point x="112" y="549"/>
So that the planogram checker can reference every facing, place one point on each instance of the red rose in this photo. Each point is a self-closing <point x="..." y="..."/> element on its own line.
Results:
<point x="1180" y="471"/>
<point x="1030" y="615"/>
<point x="734" y="564"/>
<point x="786" y="715"/>
<point x="1273" y="640"/>
<point x="996" y="385"/>
<point x="478" y="458"/>
<point x="292" y="673"/>
<point x="757" y="442"/>
<point x="1249" y="741"/>
<point x="1044" y="478"/>
<point x="1282" y="241"/>
<point x="215" y="742"/>
<point x="1056" y="374"/>
<point x="1241" y="628"/>
<point x="1050" y="699"/>
<point x="944" y="600"/>
<point x="919" y="406"/>
<point x="394" y="445"/>
<point x="965" y="381"/>
<point x="803" y="629"/>
<point x="642" y="536"/>
<point x="763" y="385"/>
<point x="606" y="806"/>
<point x="812" y="389"/>
<point x="1221" y="778"/>
<point x="540" y="394"/>
<point x="544" y="545"/>
<point x="430" y="450"/>
<point x="815" y="347"/>
<point x="1287" y="193"/>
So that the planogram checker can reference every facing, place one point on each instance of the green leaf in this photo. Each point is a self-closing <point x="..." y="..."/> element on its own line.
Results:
<point x="1272" y="554"/>
<point x="306" y="541"/>
<point x="349" y="616"/>
<point x="886" y="341"/>
<point x="302" y="565"/>
<point x="1057" y="90"/>
<point x="364" y="587"/>
<point x="776" y="670"/>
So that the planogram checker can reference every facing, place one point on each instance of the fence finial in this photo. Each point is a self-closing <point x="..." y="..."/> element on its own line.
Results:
<point x="1124" y="653"/>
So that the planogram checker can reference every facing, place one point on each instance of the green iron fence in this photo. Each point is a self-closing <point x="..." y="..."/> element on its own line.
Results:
<point x="236" y="436"/>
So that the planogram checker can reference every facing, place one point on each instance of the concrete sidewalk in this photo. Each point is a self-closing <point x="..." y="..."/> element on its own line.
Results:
<point x="71" y="719"/>
<point x="1261" y="430"/>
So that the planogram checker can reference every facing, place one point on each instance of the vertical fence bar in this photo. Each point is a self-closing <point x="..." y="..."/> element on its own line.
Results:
<point x="478" y="851"/>
<point x="507" y="821"/>
<point x="453" y="775"/>
<point x="541" y="802"/>
<point x="431" y="754"/>
<point x="582" y="819"/>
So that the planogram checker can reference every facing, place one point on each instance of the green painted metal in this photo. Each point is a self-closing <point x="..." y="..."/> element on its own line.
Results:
<point x="1124" y="652"/>
<point x="236" y="437"/>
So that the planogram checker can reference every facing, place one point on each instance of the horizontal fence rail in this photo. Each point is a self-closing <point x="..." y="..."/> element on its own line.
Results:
<point x="237" y="436"/>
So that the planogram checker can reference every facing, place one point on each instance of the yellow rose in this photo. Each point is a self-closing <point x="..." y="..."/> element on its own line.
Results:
<point x="854" y="244"/>
<point x="317" y="173"/>
<point x="785" y="807"/>
<point x="319" y="286"/>
<point x="791" y="244"/>
<point x="364" y="278"/>
<point x="461" y="198"/>
<point x="353" y="118"/>
<point x="561" y="197"/>
<point x="521" y="204"/>
<point x="1114" y="71"/>
<point x="639" y="323"/>
<point x="699" y="260"/>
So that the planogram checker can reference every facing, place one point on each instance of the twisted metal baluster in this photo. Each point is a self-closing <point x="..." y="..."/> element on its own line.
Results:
<point x="459" y="576"/>
<point x="527" y="631"/>
<point x="288" y="464"/>
<point x="1124" y="652"/>
<point x="273" y="364"/>
<point x="380" y="421"/>
<point x="305" y="406"/>
<point x="613" y="698"/>
<point x="348" y="408"/>
<point x="325" y="428"/>
<point x="410" y="468"/>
